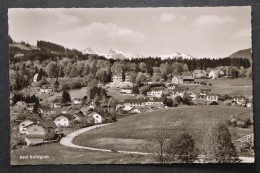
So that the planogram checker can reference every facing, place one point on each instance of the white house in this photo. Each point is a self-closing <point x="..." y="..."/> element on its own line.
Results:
<point x="126" y="90"/>
<point x="46" y="110"/>
<point x="135" y="111"/>
<point x="153" y="102"/>
<point x="176" y="80"/>
<point x="214" y="74"/>
<point x="61" y="121"/>
<point x="131" y="103"/>
<point x="45" y="89"/>
<point x="204" y="92"/>
<point x="35" y="77"/>
<point x="192" y="96"/>
<point x="22" y="126"/>
<point x="97" y="117"/>
<point x="76" y="101"/>
<point x="239" y="99"/>
<point x="117" y="77"/>
<point x="178" y="92"/>
<point x="155" y="92"/>
<point x="212" y="97"/>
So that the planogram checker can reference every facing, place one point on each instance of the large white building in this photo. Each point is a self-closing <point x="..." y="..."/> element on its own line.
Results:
<point x="155" y="92"/>
<point x="61" y="121"/>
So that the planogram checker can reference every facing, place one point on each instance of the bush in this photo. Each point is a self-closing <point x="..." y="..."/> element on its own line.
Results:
<point x="241" y="124"/>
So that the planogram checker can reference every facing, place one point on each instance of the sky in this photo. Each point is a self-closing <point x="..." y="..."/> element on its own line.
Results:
<point x="211" y="32"/>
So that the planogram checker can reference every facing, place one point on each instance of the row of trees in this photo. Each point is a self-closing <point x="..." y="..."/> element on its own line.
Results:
<point x="217" y="147"/>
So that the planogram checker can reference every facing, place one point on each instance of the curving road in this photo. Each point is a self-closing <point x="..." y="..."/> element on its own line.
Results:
<point x="67" y="141"/>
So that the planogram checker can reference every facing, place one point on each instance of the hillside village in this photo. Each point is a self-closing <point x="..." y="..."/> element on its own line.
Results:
<point x="49" y="101"/>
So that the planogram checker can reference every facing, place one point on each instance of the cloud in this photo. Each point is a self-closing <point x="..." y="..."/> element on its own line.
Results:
<point x="109" y="30"/>
<point x="167" y="17"/>
<point x="65" y="18"/>
<point x="212" y="20"/>
<point x="244" y="33"/>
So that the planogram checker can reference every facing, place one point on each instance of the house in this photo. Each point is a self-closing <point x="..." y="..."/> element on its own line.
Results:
<point x="86" y="109"/>
<point x="135" y="111"/>
<point x="204" y="92"/>
<point x="127" y="77"/>
<point x="30" y="106"/>
<point x="214" y="74"/>
<point x="76" y="101"/>
<point x="62" y="120"/>
<point x="64" y="110"/>
<point x="155" y="102"/>
<point x="178" y="92"/>
<point x="22" y="126"/>
<point x="187" y="79"/>
<point x="96" y="117"/>
<point x="239" y="99"/>
<point x="117" y="77"/>
<point x="126" y="90"/>
<point x="212" y="97"/>
<point x="249" y="105"/>
<point x="56" y="103"/>
<point x="176" y="80"/>
<point x="192" y="95"/>
<point x="45" y="89"/>
<point x="35" y="77"/>
<point x="155" y="92"/>
<point x="46" y="110"/>
<point x="199" y="74"/>
<point x="39" y="131"/>
<point x="131" y="103"/>
<point x="170" y="86"/>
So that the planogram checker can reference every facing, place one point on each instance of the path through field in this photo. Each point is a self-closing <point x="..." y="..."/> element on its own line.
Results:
<point x="67" y="141"/>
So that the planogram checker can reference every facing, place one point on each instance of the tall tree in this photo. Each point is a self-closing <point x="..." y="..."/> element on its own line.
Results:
<point x="218" y="147"/>
<point x="182" y="149"/>
<point x="65" y="98"/>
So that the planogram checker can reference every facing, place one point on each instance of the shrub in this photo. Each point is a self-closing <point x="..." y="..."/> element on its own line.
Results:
<point x="241" y="124"/>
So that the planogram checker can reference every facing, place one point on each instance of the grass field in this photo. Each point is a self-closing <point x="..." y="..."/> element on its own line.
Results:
<point x="241" y="86"/>
<point x="59" y="154"/>
<point x="131" y="133"/>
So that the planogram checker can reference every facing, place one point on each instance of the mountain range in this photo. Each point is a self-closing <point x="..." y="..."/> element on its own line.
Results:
<point x="118" y="54"/>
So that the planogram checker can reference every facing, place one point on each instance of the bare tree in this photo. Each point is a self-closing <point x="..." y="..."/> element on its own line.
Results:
<point x="157" y="146"/>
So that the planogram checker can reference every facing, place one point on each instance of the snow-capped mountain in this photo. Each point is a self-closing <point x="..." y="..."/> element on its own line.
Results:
<point x="117" y="54"/>
<point x="176" y="55"/>
<point x="114" y="54"/>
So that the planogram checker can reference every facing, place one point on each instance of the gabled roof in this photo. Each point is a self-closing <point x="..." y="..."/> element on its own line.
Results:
<point x="70" y="117"/>
<point x="44" y="124"/>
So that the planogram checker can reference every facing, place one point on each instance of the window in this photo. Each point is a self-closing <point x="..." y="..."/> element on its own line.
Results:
<point x="35" y="129"/>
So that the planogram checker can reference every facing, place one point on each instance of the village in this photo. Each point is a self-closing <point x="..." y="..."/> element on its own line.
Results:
<point x="55" y="119"/>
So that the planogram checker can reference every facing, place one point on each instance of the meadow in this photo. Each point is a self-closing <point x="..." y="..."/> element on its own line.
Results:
<point x="133" y="132"/>
<point x="59" y="154"/>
